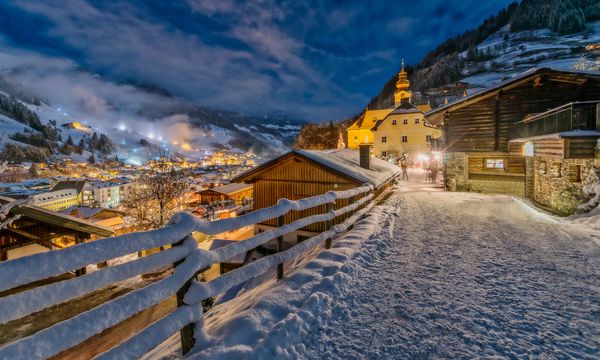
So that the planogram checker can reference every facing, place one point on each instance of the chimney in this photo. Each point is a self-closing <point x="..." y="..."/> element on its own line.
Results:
<point x="365" y="155"/>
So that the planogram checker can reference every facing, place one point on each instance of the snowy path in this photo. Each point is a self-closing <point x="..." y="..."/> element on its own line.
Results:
<point x="467" y="275"/>
<point x="429" y="274"/>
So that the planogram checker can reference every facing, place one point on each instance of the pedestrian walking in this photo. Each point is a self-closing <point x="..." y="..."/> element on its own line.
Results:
<point x="404" y="167"/>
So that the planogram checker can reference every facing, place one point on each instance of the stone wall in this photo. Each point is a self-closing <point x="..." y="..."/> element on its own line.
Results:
<point x="558" y="182"/>
<point x="458" y="178"/>
<point x="455" y="171"/>
<point x="497" y="185"/>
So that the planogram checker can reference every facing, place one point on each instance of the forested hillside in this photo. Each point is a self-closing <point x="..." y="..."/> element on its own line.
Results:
<point x="444" y="65"/>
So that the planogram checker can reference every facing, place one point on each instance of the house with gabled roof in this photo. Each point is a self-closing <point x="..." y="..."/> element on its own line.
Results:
<point x="533" y="135"/>
<point x="361" y="131"/>
<point x="304" y="173"/>
<point x="404" y="131"/>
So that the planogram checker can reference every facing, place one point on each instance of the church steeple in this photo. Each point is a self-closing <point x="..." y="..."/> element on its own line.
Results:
<point x="402" y="85"/>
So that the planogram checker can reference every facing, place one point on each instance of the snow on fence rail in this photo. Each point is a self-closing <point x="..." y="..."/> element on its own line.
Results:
<point x="188" y="260"/>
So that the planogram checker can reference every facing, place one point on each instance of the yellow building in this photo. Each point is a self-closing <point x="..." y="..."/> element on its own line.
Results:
<point x="55" y="200"/>
<point x="404" y="131"/>
<point x="361" y="131"/>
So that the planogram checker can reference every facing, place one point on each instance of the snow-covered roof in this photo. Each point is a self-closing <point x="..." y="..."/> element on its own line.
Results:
<point x="57" y="218"/>
<point x="512" y="81"/>
<point x="345" y="162"/>
<point x="230" y="188"/>
<point x="54" y="195"/>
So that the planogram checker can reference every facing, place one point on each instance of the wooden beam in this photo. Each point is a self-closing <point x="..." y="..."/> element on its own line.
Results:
<point x="47" y="241"/>
<point x="497" y="121"/>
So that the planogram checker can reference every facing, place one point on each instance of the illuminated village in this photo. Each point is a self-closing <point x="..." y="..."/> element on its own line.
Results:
<point x="453" y="216"/>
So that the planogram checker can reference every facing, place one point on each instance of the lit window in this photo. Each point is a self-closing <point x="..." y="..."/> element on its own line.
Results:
<point x="528" y="149"/>
<point x="416" y="121"/>
<point x="367" y="138"/>
<point x="394" y="122"/>
<point x="404" y="138"/>
<point x="494" y="163"/>
<point x="405" y="121"/>
<point x="383" y="139"/>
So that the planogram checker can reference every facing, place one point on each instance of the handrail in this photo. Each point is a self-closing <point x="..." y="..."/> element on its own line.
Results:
<point x="556" y="109"/>
<point x="53" y="340"/>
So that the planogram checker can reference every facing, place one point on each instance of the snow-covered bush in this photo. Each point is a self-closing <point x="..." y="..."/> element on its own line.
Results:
<point x="591" y="190"/>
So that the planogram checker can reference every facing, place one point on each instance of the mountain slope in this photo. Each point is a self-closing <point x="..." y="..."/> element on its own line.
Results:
<point x="131" y="116"/>
<point x="532" y="33"/>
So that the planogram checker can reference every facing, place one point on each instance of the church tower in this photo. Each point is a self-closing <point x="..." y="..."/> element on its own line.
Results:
<point x="402" y="93"/>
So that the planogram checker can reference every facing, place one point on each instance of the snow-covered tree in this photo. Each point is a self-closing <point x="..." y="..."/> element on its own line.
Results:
<point x="585" y="64"/>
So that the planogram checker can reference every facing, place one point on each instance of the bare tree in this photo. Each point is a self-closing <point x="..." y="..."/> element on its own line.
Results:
<point x="155" y="196"/>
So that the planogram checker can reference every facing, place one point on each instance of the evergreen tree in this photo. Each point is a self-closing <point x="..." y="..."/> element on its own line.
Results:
<point x="92" y="159"/>
<point x="70" y="141"/>
<point x="80" y="146"/>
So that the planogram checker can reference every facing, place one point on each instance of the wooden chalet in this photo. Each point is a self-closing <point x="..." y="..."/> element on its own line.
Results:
<point x="304" y="173"/>
<point x="35" y="230"/>
<point x="239" y="193"/>
<point x="492" y="139"/>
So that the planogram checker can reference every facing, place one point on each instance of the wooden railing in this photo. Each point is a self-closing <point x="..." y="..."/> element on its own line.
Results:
<point x="187" y="259"/>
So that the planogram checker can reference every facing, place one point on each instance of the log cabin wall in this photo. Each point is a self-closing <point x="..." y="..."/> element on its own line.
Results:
<point x="295" y="178"/>
<point x="488" y="124"/>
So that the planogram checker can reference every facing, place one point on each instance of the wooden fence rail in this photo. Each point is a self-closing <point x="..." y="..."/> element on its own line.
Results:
<point x="187" y="259"/>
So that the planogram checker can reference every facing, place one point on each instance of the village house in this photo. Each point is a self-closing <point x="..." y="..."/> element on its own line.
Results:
<point x="37" y="230"/>
<point x="533" y="135"/>
<point x="304" y="173"/>
<point x="238" y="193"/>
<point x="404" y="131"/>
<point x="108" y="218"/>
<point x="363" y="130"/>
<point x="56" y="200"/>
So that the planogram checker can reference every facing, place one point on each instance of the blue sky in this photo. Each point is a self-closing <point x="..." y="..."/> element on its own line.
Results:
<point x="317" y="59"/>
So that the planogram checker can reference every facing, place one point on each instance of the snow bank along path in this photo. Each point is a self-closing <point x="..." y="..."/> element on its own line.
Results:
<point x="447" y="275"/>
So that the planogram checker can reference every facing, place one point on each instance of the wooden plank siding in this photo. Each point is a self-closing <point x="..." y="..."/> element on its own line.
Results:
<point x="488" y="124"/>
<point x="514" y="164"/>
<point x="549" y="147"/>
<point x="295" y="178"/>
<point x="580" y="148"/>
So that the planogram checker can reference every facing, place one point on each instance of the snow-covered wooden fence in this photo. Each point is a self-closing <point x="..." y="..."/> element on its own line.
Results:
<point x="184" y="254"/>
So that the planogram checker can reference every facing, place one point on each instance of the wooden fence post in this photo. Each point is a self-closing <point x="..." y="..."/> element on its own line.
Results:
<point x="351" y="201"/>
<point x="187" y="333"/>
<point x="329" y="226"/>
<point x="280" y="223"/>
<point x="80" y="239"/>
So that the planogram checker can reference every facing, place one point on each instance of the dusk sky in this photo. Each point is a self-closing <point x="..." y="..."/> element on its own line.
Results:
<point x="322" y="60"/>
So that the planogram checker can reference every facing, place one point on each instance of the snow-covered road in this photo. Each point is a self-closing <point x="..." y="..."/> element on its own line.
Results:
<point x="430" y="274"/>
<point x="466" y="275"/>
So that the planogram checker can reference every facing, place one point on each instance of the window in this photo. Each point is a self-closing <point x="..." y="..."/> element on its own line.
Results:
<point x="367" y="138"/>
<point x="383" y="139"/>
<point x="574" y="173"/>
<point x="384" y="154"/>
<point x="416" y="121"/>
<point x="405" y="121"/>
<point x="404" y="138"/>
<point x="356" y="139"/>
<point x="393" y="121"/>
<point x="428" y="138"/>
<point x="494" y="163"/>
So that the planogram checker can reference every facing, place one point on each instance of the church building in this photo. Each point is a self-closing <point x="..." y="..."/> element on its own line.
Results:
<point x="394" y="131"/>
